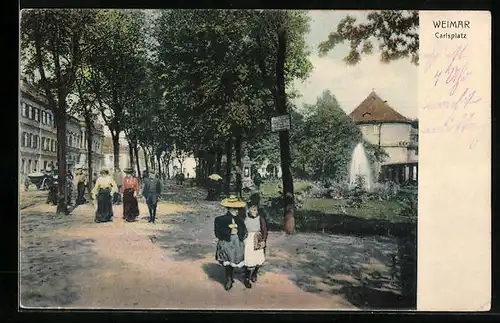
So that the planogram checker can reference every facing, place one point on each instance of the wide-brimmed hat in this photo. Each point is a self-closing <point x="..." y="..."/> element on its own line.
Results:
<point x="233" y="202"/>
<point x="128" y="170"/>
<point x="104" y="171"/>
<point x="215" y="177"/>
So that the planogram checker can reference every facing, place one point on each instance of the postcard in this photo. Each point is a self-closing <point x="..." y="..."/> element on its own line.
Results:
<point x="255" y="160"/>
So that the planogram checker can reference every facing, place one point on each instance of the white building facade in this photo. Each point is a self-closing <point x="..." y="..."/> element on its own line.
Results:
<point x="397" y="135"/>
<point x="38" y="136"/>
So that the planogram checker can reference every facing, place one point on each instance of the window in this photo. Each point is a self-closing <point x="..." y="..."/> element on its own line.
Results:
<point x="30" y="114"/>
<point x="44" y="164"/>
<point x="35" y="141"/>
<point x="37" y="115"/>
<point x="29" y="167"/>
<point x="24" y="111"/>
<point x="44" y="117"/>
<point x="23" y="162"/>
<point x="30" y="141"/>
<point x="43" y="143"/>
<point x="35" y="168"/>
<point x="23" y="140"/>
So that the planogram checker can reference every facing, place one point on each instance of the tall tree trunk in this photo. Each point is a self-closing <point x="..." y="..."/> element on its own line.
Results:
<point x="88" y="130"/>
<point x="131" y="154"/>
<point x="62" y="191"/>
<point x="152" y="160"/>
<point x="284" y="136"/>
<point x="239" y="165"/>
<point x="181" y="163"/>
<point x="136" y="154"/>
<point x="116" y="148"/>
<point x="229" y="159"/>
<point x="167" y="166"/>
<point x="145" y="158"/>
<point x="158" y="158"/>
<point x="218" y="162"/>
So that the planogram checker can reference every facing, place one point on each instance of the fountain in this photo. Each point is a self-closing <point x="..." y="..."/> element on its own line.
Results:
<point x="360" y="166"/>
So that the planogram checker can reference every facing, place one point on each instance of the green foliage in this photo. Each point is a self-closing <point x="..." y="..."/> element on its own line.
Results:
<point x="395" y="30"/>
<point x="385" y="191"/>
<point x="327" y="140"/>
<point x="408" y="200"/>
<point x="358" y="194"/>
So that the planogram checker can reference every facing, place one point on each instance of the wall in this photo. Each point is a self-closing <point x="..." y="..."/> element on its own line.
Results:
<point x="37" y="136"/>
<point x="391" y="134"/>
<point x="42" y="150"/>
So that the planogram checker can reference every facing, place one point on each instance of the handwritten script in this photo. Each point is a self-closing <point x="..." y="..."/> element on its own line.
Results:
<point x="449" y="71"/>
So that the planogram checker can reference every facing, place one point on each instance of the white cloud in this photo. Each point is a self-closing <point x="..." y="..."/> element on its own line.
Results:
<point x="395" y="82"/>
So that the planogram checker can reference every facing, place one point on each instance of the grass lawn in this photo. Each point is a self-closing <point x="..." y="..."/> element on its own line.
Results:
<point x="374" y="209"/>
<point x="271" y="189"/>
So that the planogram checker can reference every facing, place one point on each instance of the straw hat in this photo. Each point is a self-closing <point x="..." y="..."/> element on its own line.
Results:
<point x="233" y="202"/>
<point x="128" y="170"/>
<point x="104" y="171"/>
<point x="215" y="177"/>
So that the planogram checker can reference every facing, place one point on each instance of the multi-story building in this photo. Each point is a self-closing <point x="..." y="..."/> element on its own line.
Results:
<point x="38" y="140"/>
<point x="397" y="135"/>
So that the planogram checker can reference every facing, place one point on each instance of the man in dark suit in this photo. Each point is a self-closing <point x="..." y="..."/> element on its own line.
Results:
<point x="151" y="191"/>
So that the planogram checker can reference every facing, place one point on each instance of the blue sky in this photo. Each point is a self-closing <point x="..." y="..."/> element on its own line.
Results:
<point x="395" y="82"/>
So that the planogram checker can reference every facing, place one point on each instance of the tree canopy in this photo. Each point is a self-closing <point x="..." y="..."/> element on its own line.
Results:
<point x="396" y="32"/>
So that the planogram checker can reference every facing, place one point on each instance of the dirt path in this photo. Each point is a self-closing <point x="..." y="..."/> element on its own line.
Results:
<point x="69" y="261"/>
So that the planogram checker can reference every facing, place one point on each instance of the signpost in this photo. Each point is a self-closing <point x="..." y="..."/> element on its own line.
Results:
<point x="280" y="123"/>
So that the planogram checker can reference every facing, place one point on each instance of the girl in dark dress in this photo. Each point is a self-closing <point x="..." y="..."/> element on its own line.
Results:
<point x="231" y="231"/>
<point x="103" y="192"/>
<point x="130" y="190"/>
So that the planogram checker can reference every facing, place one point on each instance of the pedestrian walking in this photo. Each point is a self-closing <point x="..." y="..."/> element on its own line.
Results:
<point x="255" y="243"/>
<point x="130" y="190"/>
<point x="214" y="187"/>
<point x="103" y="192"/>
<point x="151" y="192"/>
<point x="230" y="231"/>
<point x="81" y="180"/>
<point x="118" y="178"/>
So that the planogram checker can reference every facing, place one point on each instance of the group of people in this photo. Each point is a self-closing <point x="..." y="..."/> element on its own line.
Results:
<point x="106" y="190"/>
<point x="242" y="236"/>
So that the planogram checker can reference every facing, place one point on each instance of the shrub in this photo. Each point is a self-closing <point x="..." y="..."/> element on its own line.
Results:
<point x="338" y="190"/>
<point x="317" y="191"/>
<point x="409" y="203"/>
<point x="358" y="194"/>
<point x="385" y="191"/>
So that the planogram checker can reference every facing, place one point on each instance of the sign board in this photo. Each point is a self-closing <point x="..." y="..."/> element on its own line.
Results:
<point x="280" y="123"/>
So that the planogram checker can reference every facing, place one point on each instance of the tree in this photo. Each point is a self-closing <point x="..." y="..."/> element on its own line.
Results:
<point x="281" y="56"/>
<point x="328" y="139"/>
<point x="118" y="67"/>
<point x="52" y="45"/>
<point x="85" y="106"/>
<point x="397" y="33"/>
<point x="395" y="30"/>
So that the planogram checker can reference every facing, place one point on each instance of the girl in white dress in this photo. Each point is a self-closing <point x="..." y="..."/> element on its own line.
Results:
<point x="255" y="243"/>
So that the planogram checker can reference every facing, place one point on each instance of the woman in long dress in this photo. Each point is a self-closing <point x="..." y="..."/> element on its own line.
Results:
<point x="255" y="243"/>
<point x="130" y="190"/>
<point x="103" y="192"/>
<point x="231" y="231"/>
